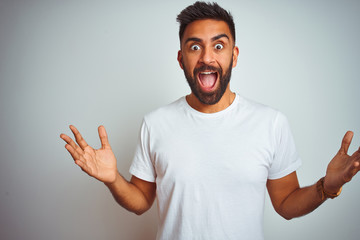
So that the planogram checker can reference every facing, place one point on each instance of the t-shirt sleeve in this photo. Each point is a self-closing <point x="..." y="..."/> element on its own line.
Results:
<point x="142" y="166"/>
<point x="286" y="160"/>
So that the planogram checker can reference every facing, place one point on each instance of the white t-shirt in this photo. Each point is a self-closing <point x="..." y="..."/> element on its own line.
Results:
<point x="211" y="169"/>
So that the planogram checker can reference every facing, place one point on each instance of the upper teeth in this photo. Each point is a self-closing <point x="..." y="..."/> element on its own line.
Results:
<point x="207" y="72"/>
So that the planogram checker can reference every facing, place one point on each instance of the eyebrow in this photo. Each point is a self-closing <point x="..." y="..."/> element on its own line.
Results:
<point x="195" y="39"/>
<point x="219" y="36"/>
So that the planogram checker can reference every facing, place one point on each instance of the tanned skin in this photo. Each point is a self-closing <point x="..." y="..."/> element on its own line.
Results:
<point x="137" y="195"/>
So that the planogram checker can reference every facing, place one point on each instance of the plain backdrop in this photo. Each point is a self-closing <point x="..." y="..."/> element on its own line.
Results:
<point x="110" y="62"/>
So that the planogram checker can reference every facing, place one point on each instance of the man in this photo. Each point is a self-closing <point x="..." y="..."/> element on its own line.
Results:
<point x="209" y="156"/>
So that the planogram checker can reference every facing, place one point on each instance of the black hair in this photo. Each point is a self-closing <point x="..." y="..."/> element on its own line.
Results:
<point x="203" y="10"/>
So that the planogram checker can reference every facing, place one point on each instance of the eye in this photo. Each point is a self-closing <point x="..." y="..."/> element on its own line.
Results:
<point x="195" y="47"/>
<point x="219" y="46"/>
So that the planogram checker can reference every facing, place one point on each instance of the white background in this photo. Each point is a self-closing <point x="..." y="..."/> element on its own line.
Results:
<point x="110" y="62"/>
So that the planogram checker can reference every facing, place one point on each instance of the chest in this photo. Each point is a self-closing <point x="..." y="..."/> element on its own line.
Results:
<point x="217" y="155"/>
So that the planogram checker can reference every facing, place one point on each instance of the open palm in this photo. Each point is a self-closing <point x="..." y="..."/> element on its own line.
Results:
<point x="98" y="163"/>
<point x="342" y="167"/>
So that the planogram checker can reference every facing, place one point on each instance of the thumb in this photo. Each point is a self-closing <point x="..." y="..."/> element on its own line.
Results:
<point x="103" y="137"/>
<point x="346" y="142"/>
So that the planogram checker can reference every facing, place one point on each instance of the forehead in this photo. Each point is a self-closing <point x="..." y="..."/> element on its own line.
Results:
<point x="206" y="29"/>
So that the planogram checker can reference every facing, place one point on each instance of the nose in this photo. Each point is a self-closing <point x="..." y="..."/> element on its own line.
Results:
<point x="207" y="56"/>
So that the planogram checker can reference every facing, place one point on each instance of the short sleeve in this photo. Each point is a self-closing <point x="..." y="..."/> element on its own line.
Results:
<point x="285" y="159"/>
<point x="142" y="166"/>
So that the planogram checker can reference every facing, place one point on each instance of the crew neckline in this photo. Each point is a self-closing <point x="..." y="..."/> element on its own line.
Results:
<point x="215" y="114"/>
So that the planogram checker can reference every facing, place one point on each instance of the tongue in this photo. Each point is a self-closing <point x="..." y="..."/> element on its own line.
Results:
<point x="208" y="80"/>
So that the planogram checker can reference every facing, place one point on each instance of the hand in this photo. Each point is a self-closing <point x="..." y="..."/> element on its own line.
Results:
<point x="342" y="167"/>
<point x="100" y="163"/>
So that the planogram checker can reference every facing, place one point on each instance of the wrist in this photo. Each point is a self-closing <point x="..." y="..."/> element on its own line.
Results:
<point x="324" y="192"/>
<point x="112" y="181"/>
<point x="330" y="189"/>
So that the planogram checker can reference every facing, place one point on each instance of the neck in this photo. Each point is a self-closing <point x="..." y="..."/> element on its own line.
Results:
<point x="224" y="102"/>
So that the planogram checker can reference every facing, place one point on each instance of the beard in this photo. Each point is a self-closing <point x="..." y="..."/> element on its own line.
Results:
<point x="209" y="98"/>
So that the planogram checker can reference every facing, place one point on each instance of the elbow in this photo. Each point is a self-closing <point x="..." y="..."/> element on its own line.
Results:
<point x="285" y="215"/>
<point x="141" y="209"/>
<point x="292" y="215"/>
<point x="139" y="213"/>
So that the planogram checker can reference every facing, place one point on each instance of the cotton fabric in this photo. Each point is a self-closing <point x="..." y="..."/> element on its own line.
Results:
<point x="211" y="169"/>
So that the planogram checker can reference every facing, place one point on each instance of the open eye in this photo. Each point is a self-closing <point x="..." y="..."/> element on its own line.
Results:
<point x="219" y="46"/>
<point x="195" y="47"/>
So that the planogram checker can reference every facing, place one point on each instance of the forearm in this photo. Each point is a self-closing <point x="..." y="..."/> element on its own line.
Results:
<point x="301" y="202"/>
<point x="129" y="195"/>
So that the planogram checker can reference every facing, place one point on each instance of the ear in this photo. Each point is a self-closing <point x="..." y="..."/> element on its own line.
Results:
<point x="235" y="56"/>
<point x="179" y="58"/>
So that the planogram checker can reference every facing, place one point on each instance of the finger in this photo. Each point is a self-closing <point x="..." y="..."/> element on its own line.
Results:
<point x="352" y="171"/>
<point x="68" y="140"/>
<point x="80" y="164"/>
<point x="356" y="154"/>
<point x="346" y="142"/>
<point x="355" y="166"/>
<point x="83" y="167"/>
<point x="79" y="139"/>
<point x="74" y="154"/>
<point x="103" y="137"/>
<point x="356" y="158"/>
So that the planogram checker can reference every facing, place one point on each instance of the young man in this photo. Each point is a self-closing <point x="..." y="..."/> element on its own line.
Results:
<point x="209" y="156"/>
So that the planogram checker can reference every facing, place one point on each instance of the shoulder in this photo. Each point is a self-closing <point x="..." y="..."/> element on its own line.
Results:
<point x="259" y="115"/>
<point x="257" y="109"/>
<point x="165" y="113"/>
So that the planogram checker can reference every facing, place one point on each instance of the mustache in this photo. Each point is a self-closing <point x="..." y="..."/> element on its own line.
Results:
<point x="206" y="67"/>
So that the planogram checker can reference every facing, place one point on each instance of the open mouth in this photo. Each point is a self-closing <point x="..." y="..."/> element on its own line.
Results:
<point x="207" y="80"/>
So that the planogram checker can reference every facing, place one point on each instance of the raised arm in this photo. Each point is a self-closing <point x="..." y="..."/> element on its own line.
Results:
<point x="136" y="196"/>
<point x="290" y="201"/>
